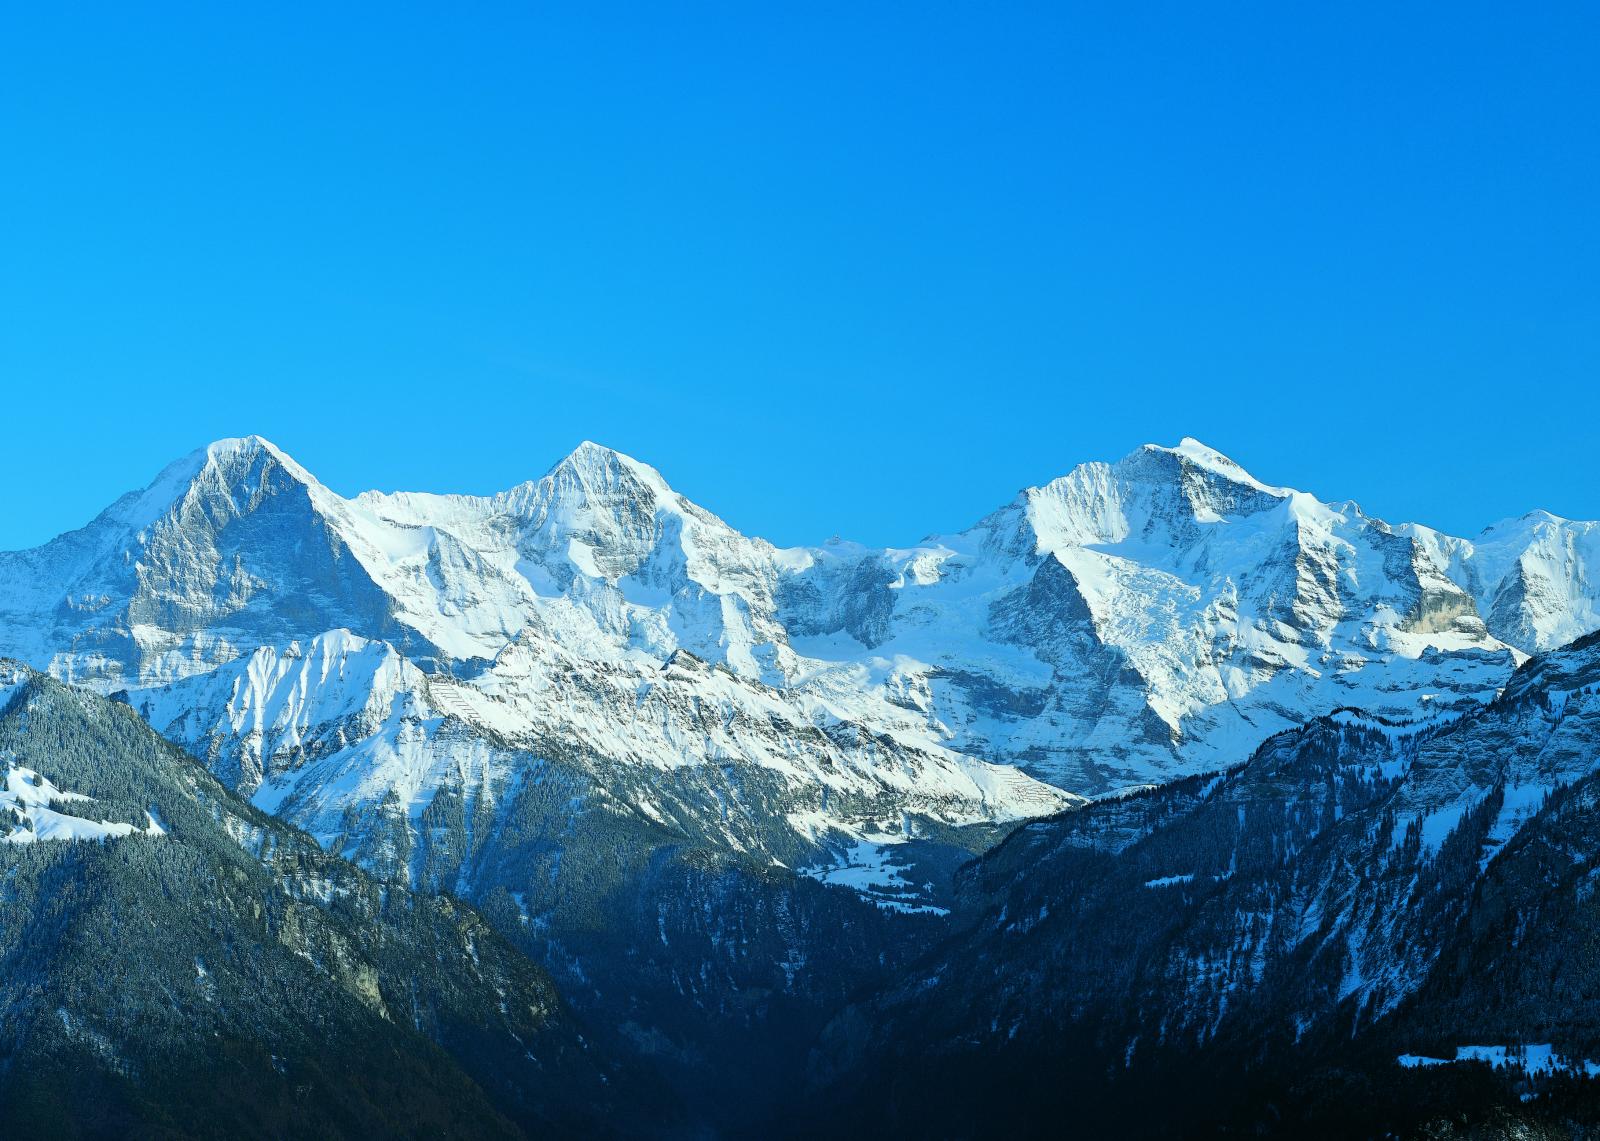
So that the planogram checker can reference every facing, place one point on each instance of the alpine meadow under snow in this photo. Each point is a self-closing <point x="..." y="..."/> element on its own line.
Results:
<point x="1144" y="766"/>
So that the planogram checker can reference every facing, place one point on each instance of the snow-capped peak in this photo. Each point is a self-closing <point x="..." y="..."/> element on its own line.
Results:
<point x="591" y="457"/>
<point x="592" y="477"/>
<point x="233" y="446"/>
<point x="227" y="457"/>
<point x="1211" y="460"/>
<point x="1520" y="523"/>
<point x="1155" y="494"/>
<point x="234" y="467"/>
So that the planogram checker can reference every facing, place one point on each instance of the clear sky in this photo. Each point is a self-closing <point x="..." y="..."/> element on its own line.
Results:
<point x="855" y="268"/>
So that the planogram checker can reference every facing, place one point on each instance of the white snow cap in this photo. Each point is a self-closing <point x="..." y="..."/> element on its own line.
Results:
<point x="1207" y="457"/>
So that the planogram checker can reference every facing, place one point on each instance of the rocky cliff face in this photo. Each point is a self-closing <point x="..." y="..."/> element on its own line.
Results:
<point x="233" y="547"/>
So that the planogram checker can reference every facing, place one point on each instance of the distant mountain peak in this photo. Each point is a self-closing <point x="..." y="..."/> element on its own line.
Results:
<point x="589" y="456"/>
<point x="1535" y="518"/>
<point x="1209" y="459"/>
<point x="592" y="450"/>
<point x="243" y="445"/>
<point x="592" y="472"/>
<point x="229" y="462"/>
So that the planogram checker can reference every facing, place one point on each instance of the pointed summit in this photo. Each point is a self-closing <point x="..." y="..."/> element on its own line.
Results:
<point x="593" y="476"/>
<point x="223" y="470"/>
<point x="256" y="449"/>
<point x="236" y="536"/>
<point x="1208" y="459"/>
<point x="594" y="464"/>
<point x="588" y="453"/>
<point x="588" y="448"/>
<point x="226" y="465"/>
<point x="242" y="445"/>
<point x="231" y="475"/>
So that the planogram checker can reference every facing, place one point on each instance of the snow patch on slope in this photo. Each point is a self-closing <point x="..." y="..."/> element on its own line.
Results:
<point x="32" y="810"/>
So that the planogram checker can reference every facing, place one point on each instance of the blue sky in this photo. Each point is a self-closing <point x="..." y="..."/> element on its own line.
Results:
<point x="842" y="268"/>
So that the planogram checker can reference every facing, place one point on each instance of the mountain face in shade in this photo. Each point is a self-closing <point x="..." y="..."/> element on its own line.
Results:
<point x="176" y="963"/>
<point x="1302" y="944"/>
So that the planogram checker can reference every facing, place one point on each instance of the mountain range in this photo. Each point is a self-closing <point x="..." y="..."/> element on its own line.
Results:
<point x="736" y="805"/>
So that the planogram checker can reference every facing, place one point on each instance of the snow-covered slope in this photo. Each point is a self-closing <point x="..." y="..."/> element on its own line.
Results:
<point x="354" y="743"/>
<point x="1122" y="625"/>
<point x="1536" y="579"/>
<point x="33" y="810"/>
